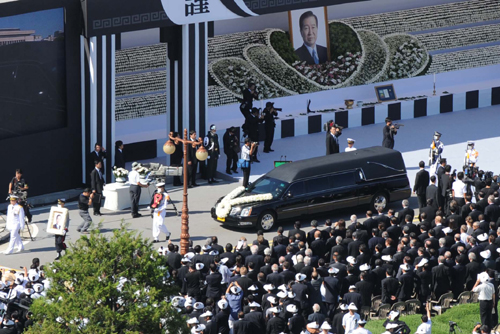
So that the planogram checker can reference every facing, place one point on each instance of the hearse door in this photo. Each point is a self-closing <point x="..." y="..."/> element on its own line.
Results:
<point x="294" y="202"/>
<point x="344" y="190"/>
<point x="319" y="193"/>
<point x="365" y="191"/>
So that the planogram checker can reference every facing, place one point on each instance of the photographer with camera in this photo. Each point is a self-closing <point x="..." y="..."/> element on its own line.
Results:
<point x="486" y="297"/>
<point x="246" y="152"/>
<point x="480" y="329"/>
<point x="269" y="115"/>
<point x="389" y="131"/>
<point x="249" y="95"/>
<point x="84" y="202"/>
<point x="426" y="326"/>
<point x="17" y="184"/>
<point x="332" y="138"/>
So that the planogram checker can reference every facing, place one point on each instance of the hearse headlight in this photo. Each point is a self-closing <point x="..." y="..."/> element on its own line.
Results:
<point x="246" y="212"/>
<point x="235" y="211"/>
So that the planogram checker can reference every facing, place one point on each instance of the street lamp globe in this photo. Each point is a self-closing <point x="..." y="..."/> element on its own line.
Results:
<point x="201" y="154"/>
<point x="169" y="147"/>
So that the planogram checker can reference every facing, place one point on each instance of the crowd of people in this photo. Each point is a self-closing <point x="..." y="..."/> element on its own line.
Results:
<point x="322" y="279"/>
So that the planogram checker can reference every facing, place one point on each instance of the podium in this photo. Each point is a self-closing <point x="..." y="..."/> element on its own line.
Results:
<point x="117" y="196"/>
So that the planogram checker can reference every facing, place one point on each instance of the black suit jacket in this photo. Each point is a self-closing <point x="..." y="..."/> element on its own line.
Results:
<point x="257" y="259"/>
<point x="295" y="231"/>
<point x="445" y="183"/>
<point x="388" y="134"/>
<point x="365" y="289"/>
<point x="304" y="54"/>
<point x="257" y="319"/>
<point x="402" y="214"/>
<point x="390" y="287"/>
<point x="441" y="280"/>
<point x="332" y="145"/>
<point x="242" y="327"/>
<point x="421" y="182"/>
<point x="92" y="157"/>
<point x="96" y="181"/>
<point x="275" y="325"/>
<point x="119" y="159"/>
<point x="492" y="212"/>
<point x="432" y="192"/>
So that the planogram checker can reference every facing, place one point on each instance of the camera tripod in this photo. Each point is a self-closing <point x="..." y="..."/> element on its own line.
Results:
<point x="454" y="327"/>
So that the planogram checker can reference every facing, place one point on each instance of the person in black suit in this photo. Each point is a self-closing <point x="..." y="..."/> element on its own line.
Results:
<point x="176" y="158"/>
<point x="192" y="161"/>
<point x="119" y="159"/>
<point x="213" y="283"/>
<point x="231" y="149"/>
<point x="242" y="326"/>
<point x="491" y="211"/>
<point x="296" y="229"/>
<point x="269" y="114"/>
<point x="445" y="185"/>
<point x="210" y="323"/>
<point x="211" y="143"/>
<point x="310" y="52"/>
<point x="256" y="317"/>
<point x="390" y="287"/>
<point x="97" y="186"/>
<point x="432" y="192"/>
<point x="98" y="154"/>
<point x="441" y="279"/>
<point x="276" y="324"/>
<point x="318" y="246"/>
<point x="421" y="184"/>
<point x="251" y="128"/>
<point x="388" y="132"/>
<point x="406" y="283"/>
<point x="275" y="278"/>
<point x="332" y="139"/>
<point x="406" y="211"/>
<point x="249" y="95"/>
<point x="365" y="289"/>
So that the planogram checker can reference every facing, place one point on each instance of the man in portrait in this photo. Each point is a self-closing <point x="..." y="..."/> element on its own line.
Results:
<point x="57" y="222"/>
<point x="310" y="52"/>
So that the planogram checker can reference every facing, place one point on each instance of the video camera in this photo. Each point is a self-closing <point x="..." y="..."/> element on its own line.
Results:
<point x="159" y="172"/>
<point x="330" y="124"/>
<point x="397" y="126"/>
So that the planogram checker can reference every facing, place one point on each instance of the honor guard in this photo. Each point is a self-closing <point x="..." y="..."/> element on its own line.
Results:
<point x="15" y="222"/>
<point x="211" y="143"/>
<point x="350" y="145"/>
<point x="159" y="207"/>
<point x="471" y="155"/>
<point x="435" y="152"/>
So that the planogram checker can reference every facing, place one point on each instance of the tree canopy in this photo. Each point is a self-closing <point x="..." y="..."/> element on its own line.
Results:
<point x="115" y="285"/>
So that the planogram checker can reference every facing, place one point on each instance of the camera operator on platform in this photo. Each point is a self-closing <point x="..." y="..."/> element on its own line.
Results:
<point x="332" y="138"/>
<point x="269" y="114"/>
<point x="251" y="128"/>
<point x="17" y="184"/>
<point x="249" y="95"/>
<point x="246" y="153"/>
<point x="211" y="143"/>
<point x="389" y="132"/>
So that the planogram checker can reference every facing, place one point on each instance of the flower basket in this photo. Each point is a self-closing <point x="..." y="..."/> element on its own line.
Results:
<point x="120" y="174"/>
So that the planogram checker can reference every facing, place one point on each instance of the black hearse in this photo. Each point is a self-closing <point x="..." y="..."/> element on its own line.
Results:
<point x="372" y="176"/>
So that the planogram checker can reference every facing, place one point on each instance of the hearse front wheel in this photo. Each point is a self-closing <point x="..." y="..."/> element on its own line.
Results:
<point x="380" y="200"/>
<point x="266" y="221"/>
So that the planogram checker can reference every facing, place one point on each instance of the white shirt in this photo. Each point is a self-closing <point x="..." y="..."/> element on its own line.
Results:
<point x="459" y="188"/>
<point x="245" y="153"/>
<point x="349" y="149"/>
<point x="350" y="322"/>
<point x="15" y="217"/>
<point x="424" y="328"/>
<point x="361" y="330"/>
<point x="133" y="178"/>
<point x="485" y="290"/>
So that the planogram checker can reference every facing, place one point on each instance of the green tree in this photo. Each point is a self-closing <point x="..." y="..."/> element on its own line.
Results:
<point x="118" y="285"/>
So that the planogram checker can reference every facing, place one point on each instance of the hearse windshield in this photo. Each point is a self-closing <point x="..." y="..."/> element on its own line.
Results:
<point x="266" y="185"/>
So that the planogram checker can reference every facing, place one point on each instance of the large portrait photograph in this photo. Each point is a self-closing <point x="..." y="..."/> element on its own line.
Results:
<point x="58" y="220"/>
<point x="309" y="34"/>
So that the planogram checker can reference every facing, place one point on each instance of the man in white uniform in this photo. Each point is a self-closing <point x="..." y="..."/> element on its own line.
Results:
<point x="159" y="212"/>
<point x="15" y="221"/>
<point x="435" y="152"/>
<point x="350" y="145"/>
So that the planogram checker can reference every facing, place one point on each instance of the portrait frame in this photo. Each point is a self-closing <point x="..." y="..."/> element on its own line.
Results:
<point x="58" y="220"/>
<point x="385" y="93"/>
<point x="323" y="38"/>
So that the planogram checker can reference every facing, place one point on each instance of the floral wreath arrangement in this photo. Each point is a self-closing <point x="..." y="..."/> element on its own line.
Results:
<point x="120" y="172"/>
<point x="223" y="209"/>
<point x="143" y="171"/>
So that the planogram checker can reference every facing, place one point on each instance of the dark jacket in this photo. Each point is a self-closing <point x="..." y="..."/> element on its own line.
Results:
<point x="97" y="181"/>
<point x="119" y="159"/>
<point x="332" y="144"/>
<point x="304" y="54"/>
<point x="421" y="182"/>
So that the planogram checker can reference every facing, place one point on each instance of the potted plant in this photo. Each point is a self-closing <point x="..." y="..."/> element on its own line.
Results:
<point x="121" y="174"/>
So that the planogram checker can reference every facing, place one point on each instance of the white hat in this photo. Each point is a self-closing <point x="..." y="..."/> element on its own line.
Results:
<point x="447" y="230"/>
<point x="254" y="304"/>
<point x="350" y="140"/>
<point x="300" y="277"/>
<point x="235" y="289"/>
<point x="272" y="300"/>
<point x="274" y="310"/>
<point x="282" y="287"/>
<point x="291" y="294"/>
<point x="352" y="287"/>
<point x="364" y="267"/>
<point x="185" y="260"/>
<point x="351" y="260"/>
<point x="222" y="304"/>
<point x="361" y="322"/>
<point x="38" y="287"/>
<point x="178" y="301"/>
<point x="333" y="270"/>
<point x="224" y="260"/>
<point x="326" y="326"/>
<point x="200" y="266"/>
<point x="422" y="262"/>
<point x="189" y="301"/>
<point x="198" y="306"/>
<point x="391" y="325"/>
<point x="483" y="277"/>
<point x="214" y="252"/>
<point x="268" y="287"/>
<point x="352" y="307"/>
<point x="343" y="307"/>
<point x="292" y="308"/>
<point x="160" y="184"/>
<point x="405" y="267"/>
<point x="13" y="197"/>
<point x="393" y="315"/>
<point x="282" y="294"/>
<point x="189" y="255"/>
<point x="207" y="314"/>
<point x="253" y="288"/>
<point x="206" y="248"/>
<point x="313" y="325"/>
<point x="482" y="237"/>
<point x="33" y="275"/>
<point x="485" y="254"/>
<point x="18" y="281"/>
<point x="58" y="319"/>
<point x="387" y="258"/>
<point x="197" y="328"/>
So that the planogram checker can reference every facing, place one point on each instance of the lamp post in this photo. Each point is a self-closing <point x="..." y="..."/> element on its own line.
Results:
<point x="201" y="155"/>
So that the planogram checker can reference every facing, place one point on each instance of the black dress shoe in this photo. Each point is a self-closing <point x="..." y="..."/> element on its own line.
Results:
<point x="235" y="171"/>
<point x="58" y="257"/>
<point x="195" y="185"/>
<point x="190" y="186"/>
<point x="215" y="181"/>
<point x="271" y="150"/>
<point x="256" y="160"/>
<point x="156" y="241"/>
<point x="229" y="172"/>
<point x="265" y="151"/>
